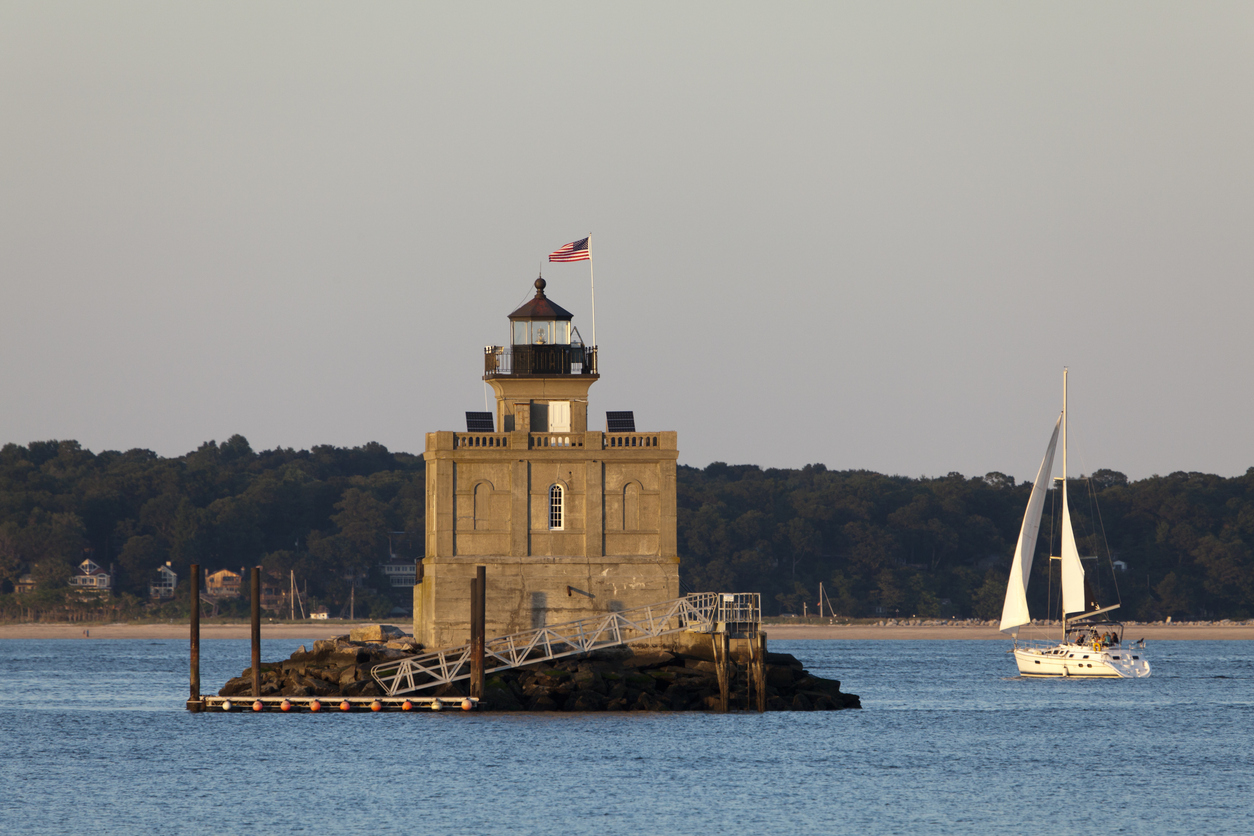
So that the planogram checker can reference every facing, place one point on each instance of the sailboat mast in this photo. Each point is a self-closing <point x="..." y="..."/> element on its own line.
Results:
<point x="1064" y="479"/>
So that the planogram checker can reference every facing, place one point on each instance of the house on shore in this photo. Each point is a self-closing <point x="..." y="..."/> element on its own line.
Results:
<point x="400" y="573"/>
<point x="224" y="584"/>
<point x="91" y="577"/>
<point x="163" y="584"/>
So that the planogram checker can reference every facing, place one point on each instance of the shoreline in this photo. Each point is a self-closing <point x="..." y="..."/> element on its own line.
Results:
<point x="983" y="632"/>
<point x="208" y="632"/>
<point x="778" y="632"/>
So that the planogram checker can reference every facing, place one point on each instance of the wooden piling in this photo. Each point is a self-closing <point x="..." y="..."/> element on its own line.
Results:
<point x="256" y="631"/>
<point x="758" y="643"/>
<point x="751" y="672"/>
<point x="722" y="650"/>
<point x="193" y="702"/>
<point x="478" y="627"/>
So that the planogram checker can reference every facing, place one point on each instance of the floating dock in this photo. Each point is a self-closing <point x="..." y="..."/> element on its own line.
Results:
<point x="334" y="705"/>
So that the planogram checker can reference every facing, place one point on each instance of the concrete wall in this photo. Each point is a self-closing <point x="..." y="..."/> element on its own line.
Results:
<point x="528" y="592"/>
<point x="488" y="504"/>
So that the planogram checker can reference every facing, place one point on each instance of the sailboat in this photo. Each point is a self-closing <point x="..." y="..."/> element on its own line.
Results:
<point x="1091" y="645"/>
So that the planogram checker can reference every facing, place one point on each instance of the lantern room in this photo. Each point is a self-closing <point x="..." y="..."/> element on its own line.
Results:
<point x="540" y="321"/>
<point x="543" y="341"/>
<point x="541" y="377"/>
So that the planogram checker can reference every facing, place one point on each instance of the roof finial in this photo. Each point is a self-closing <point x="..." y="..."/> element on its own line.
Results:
<point x="540" y="285"/>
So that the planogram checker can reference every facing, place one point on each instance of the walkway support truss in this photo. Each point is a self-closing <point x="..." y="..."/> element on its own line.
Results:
<point x="737" y="614"/>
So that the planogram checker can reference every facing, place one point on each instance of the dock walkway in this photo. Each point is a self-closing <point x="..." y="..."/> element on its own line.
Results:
<point x="734" y="614"/>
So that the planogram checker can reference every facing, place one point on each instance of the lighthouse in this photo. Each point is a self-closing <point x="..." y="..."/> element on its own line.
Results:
<point x="569" y="522"/>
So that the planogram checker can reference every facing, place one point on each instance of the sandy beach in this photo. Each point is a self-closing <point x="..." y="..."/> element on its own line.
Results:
<point x="309" y="630"/>
<point x="777" y="632"/>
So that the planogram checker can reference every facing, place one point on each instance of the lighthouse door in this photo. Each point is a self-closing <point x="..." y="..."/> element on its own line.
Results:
<point x="559" y="416"/>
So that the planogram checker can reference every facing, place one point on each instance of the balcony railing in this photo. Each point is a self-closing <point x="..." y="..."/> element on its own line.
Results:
<point x="630" y="439"/>
<point x="541" y="360"/>
<point x="541" y="440"/>
<point x="461" y="440"/>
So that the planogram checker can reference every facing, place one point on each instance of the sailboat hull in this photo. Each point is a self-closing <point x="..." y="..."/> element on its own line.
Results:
<point x="1077" y="662"/>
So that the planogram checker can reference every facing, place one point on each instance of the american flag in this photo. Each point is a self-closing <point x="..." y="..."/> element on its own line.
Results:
<point x="574" y="251"/>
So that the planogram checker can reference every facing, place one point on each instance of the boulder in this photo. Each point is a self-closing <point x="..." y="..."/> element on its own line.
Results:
<point x="375" y="633"/>
<point x="778" y="676"/>
<point x="498" y="696"/>
<point x="648" y="659"/>
<point x="544" y="702"/>
<point x="585" y="700"/>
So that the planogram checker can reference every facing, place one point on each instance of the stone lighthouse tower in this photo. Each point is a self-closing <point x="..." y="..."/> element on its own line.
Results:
<point x="569" y="522"/>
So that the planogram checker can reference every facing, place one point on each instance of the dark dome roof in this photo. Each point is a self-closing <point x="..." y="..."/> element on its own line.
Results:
<point x="541" y="307"/>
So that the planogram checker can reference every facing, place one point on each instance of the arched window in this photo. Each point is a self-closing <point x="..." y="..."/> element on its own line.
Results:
<point x="483" y="492"/>
<point x="556" y="507"/>
<point x="631" y="506"/>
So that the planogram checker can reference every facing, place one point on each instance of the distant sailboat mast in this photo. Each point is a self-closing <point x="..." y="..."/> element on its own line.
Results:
<point x="1072" y="570"/>
<point x="1068" y="535"/>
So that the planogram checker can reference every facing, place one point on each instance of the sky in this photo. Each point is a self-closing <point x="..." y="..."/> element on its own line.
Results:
<point x="869" y="235"/>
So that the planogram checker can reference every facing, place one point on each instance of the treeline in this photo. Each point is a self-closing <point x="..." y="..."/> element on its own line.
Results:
<point x="325" y="513"/>
<point x="880" y="545"/>
<point x="891" y="545"/>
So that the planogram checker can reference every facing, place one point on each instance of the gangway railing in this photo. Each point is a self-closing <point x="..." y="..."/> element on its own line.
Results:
<point x="736" y="613"/>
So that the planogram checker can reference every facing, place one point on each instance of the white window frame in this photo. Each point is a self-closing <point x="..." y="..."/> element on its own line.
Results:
<point x="557" y="507"/>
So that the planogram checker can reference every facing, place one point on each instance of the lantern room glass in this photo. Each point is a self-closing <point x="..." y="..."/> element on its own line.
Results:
<point x="540" y="332"/>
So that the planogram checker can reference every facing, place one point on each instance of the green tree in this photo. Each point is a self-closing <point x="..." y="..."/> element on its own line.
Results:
<point x="138" y="562"/>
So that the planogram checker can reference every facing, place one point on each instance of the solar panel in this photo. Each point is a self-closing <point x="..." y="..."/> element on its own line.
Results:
<point x="620" y="422"/>
<point x="479" y="422"/>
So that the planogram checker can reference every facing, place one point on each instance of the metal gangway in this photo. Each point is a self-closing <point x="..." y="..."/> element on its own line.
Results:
<point x="734" y="613"/>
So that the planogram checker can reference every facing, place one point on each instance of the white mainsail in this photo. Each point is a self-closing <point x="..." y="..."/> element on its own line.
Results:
<point x="1072" y="569"/>
<point x="1014" y="612"/>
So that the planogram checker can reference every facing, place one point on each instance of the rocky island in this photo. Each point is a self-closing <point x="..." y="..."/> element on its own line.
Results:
<point x="613" y="679"/>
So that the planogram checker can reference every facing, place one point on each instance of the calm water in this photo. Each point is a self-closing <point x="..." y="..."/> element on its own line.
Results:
<point x="94" y="739"/>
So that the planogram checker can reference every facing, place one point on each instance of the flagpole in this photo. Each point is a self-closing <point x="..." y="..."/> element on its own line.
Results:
<point x="592" y="279"/>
